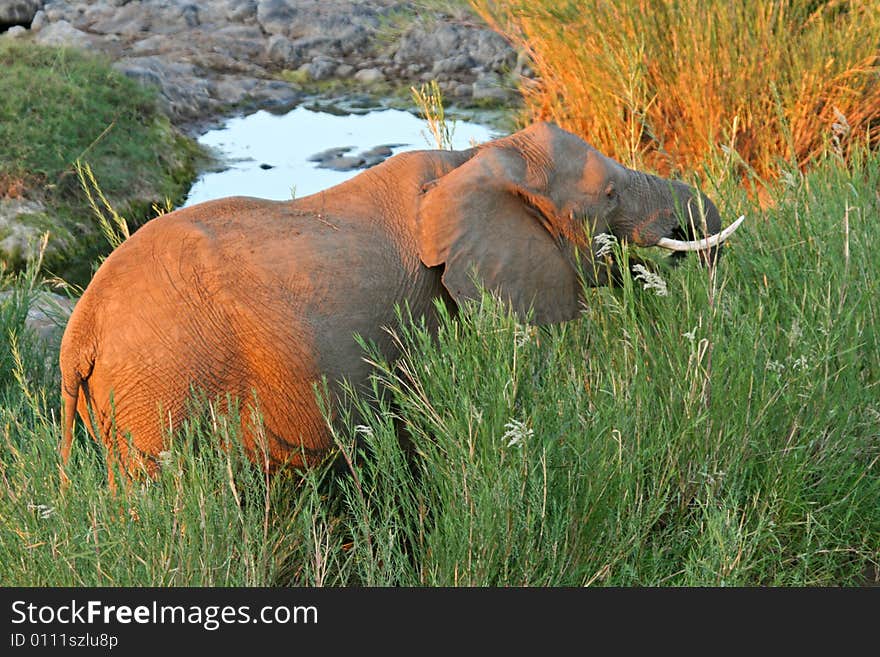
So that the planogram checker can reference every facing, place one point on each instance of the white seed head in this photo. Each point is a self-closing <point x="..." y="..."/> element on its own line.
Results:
<point x="43" y="510"/>
<point x="650" y="280"/>
<point x="517" y="432"/>
<point x="604" y="244"/>
<point x="364" y="430"/>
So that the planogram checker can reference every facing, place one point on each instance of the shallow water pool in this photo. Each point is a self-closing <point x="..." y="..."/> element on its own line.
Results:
<point x="268" y="155"/>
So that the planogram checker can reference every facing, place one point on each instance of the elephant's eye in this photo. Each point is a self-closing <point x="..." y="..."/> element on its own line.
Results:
<point x="610" y="191"/>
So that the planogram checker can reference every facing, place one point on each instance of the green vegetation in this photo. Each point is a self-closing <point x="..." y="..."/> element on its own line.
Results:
<point x="726" y="433"/>
<point x="58" y="106"/>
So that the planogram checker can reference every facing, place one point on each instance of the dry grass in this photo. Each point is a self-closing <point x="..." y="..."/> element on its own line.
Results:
<point x="670" y="84"/>
<point x="429" y="99"/>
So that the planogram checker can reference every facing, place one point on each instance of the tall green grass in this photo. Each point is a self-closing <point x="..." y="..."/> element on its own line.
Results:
<point x="727" y="433"/>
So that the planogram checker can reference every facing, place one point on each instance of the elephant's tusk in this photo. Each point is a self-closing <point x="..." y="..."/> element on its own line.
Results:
<point x="701" y="244"/>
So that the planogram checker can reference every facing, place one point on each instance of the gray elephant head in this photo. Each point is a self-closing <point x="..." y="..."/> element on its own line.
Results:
<point x="522" y="214"/>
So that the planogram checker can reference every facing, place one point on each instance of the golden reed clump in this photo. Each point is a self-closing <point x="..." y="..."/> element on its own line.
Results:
<point x="673" y="85"/>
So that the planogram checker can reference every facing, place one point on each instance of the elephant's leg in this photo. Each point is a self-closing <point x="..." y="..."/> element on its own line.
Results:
<point x="130" y="424"/>
<point x="285" y="428"/>
<point x="100" y="427"/>
<point x="281" y="415"/>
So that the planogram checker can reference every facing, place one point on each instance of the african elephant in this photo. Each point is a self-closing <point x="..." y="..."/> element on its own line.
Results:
<point x="258" y="300"/>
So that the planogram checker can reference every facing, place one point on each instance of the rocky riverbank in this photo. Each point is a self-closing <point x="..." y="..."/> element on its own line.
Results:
<point x="210" y="57"/>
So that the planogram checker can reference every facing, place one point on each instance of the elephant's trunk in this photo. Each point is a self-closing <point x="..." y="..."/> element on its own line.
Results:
<point x="678" y="212"/>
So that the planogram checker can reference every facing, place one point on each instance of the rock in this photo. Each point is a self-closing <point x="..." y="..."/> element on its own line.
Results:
<point x="280" y="51"/>
<point x="453" y="64"/>
<point x="22" y="224"/>
<point x="144" y="76"/>
<point x="489" y="87"/>
<point x="274" y="16"/>
<point x="336" y="158"/>
<point x="274" y="95"/>
<point x="233" y="89"/>
<point x="184" y="90"/>
<point x="419" y="44"/>
<point x="377" y="154"/>
<point x="464" y="90"/>
<point x="379" y="151"/>
<point x="369" y="76"/>
<point x="329" y="154"/>
<point x="63" y="34"/>
<point x="491" y="50"/>
<point x="39" y="21"/>
<point x="343" y="163"/>
<point x="347" y="24"/>
<point x="150" y="46"/>
<point x="15" y="32"/>
<point x="318" y="47"/>
<point x="240" y="12"/>
<point x="60" y="11"/>
<point x="245" y="43"/>
<point x="47" y="316"/>
<point x="19" y="12"/>
<point x="190" y="15"/>
<point x="129" y="20"/>
<point x="344" y="71"/>
<point x="353" y="40"/>
<point x="321" y="68"/>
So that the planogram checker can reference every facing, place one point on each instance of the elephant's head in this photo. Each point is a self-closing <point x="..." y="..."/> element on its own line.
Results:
<point x="521" y="213"/>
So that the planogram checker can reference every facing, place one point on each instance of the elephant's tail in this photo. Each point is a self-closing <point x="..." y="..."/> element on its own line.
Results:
<point x="70" y="398"/>
<point x="76" y="367"/>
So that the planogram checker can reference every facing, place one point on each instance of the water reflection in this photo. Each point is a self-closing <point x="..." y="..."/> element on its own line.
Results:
<point x="269" y="155"/>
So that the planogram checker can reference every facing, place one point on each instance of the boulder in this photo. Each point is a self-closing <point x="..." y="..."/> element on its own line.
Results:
<point x="47" y="316"/>
<point x="329" y="154"/>
<point x="490" y="87"/>
<point x="280" y="51"/>
<point x="184" y="90"/>
<point x="344" y="71"/>
<point x="369" y="76"/>
<point x="132" y="19"/>
<point x="19" y="12"/>
<point x="14" y="32"/>
<point x="63" y="34"/>
<point x="39" y="21"/>
<point x="240" y="12"/>
<point x="244" y="43"/>
<point x="22" y="224"/>
<point x="275" y="16"/>
<point x="454" y="64"/>
<point x="343" y="163"/>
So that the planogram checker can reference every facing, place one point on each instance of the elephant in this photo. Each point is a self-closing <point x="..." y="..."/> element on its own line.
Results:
<point x="260" y="300"/>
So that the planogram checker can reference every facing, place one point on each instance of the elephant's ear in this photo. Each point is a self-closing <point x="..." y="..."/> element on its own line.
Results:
<point x="484" y="225"/>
